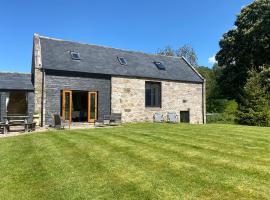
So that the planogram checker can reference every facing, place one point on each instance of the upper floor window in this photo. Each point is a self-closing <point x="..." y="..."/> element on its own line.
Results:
<point x="152" y="94"/>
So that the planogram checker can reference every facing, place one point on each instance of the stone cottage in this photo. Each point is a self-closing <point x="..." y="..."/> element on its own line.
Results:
<point x="84" y="82"/>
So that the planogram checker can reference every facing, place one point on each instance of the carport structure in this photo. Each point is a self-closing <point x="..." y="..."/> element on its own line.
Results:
<point x="16" y="95"/>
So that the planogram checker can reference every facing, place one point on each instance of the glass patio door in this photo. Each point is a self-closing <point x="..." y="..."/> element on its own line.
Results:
<point x="92" y="106"/>
<point x="67" y="105"/>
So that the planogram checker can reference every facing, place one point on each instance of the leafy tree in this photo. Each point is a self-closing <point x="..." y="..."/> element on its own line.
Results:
<point x="231" y="107"/>
<point x="254" y="107"/>
<point x="212" y="91"/>
<point x="245" y="47"/>
<point x="265" y="77"/>
<point x="167" y="51"/>
<point x="189" y="53"/>
<point x="186" y="51"/>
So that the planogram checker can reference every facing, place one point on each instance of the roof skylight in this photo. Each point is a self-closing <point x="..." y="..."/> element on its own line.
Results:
<point x="75" y="55"/>
<point x="122" y="60"/>
<point x="159" y="65"/>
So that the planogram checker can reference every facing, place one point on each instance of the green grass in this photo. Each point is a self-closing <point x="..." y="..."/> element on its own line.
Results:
<point x="138" y="161"/>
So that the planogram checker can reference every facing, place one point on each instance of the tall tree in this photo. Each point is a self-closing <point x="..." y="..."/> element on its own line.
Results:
<point x="189" y="53"/>
<point x="245" y="47"/>
<point x="265" y="76"/>
<point x="212" y="91"/>
<point x="167" y="51"/>
<point x="186" y="51"/>
<point x="254" y="105"/>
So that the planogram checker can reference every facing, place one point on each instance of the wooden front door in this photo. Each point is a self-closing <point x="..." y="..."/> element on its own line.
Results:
<point x="92" y="106"/>
<point x="67" y="105"/>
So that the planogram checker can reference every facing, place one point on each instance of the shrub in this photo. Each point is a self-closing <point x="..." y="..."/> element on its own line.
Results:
<point x="253" y="118"/>
<point x="220" y="118"/>
<point x="231" y="107"/>
<point x="227" y="112"/>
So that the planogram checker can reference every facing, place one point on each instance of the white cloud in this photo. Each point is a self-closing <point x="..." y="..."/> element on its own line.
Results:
<point x="243" y="6"/>
<point x="212" y="59"/>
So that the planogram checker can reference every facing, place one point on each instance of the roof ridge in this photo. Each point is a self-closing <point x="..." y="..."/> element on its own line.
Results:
<point x="21" y="73"/>
<point x="107" y="47"/>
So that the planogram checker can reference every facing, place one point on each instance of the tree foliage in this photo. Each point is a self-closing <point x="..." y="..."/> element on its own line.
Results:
<point x="254" y="107"/>
<point x="185" y="51"/>
<point x="167" y="51"/>
<point x="265" y="77"/>
<point x="212" y="91"/>
<point x="245" y="47"/>
<point x="189" y="53"/>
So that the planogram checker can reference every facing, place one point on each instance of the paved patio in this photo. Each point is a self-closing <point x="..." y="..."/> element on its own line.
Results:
<point x="18" y="131"/>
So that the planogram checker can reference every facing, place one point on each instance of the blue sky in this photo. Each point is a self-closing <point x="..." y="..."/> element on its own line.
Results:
<point x="141" y="25"/>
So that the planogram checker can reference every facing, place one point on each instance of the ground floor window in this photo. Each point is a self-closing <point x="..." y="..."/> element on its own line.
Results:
<point x="16" y="102"/>
<point x="152" y="94"/>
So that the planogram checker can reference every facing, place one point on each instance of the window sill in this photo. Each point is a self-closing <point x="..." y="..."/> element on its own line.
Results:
<point x="153" y="108"/>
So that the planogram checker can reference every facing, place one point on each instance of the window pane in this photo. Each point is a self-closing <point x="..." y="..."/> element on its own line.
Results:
<point x="148" y="97"/>
<point x="67" y="106"/>
<point x="93" y="106"/>
<point x="152" y="94"/>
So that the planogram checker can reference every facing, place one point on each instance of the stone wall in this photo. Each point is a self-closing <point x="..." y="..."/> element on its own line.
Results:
<point x="37" y="76"/>
<point x="128" y="98"/>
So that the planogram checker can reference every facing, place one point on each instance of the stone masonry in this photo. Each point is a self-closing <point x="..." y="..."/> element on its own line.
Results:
<point x="128" y="98"/>
<point x="37" y="78"/>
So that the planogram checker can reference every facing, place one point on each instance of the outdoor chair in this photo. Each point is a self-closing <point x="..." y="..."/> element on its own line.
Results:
<point x="158" y="117"/>
<point x="99" y="123"/>
<point x="106" y="119"/>
<point x="172" y="117"/>
<point x="116" y="119"/>
<point x="110" y="120"/>
<point x="58" y="122"/>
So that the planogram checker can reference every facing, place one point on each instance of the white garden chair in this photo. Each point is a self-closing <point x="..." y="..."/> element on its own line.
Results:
<point x="158" y="117"/>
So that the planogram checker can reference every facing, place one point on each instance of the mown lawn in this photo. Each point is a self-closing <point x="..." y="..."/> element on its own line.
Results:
<point x="138" y="161"/>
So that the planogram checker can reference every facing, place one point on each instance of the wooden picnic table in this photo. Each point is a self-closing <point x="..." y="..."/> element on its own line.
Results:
<point x="17" y="120"/>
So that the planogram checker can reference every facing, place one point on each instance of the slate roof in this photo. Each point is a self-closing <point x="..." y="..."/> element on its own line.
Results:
<point x="15" y="81"/>
<point x="103" y="60"/>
